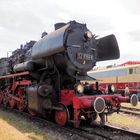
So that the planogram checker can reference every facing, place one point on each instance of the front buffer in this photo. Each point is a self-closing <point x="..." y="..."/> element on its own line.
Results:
<point x="87" y="108"/>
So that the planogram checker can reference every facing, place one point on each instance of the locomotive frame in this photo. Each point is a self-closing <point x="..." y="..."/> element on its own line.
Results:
<point x="47" y="81"/>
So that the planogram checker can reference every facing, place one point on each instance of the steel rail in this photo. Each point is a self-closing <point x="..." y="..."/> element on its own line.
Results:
<point x="106" y="132"/>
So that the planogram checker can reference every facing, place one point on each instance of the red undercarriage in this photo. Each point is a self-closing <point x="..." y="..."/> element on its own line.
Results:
<point x="8" y="94"/>
<point x="81" y="105"/>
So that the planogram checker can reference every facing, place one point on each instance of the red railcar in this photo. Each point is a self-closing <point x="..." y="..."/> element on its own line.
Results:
<point x="119" y="76"/>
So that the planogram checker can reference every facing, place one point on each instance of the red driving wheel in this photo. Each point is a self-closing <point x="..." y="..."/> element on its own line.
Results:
<point x="22" y="103"/>
<point x="20" y="106"/>
<point x="12" y="103"/>
<point x="62" y="117"/>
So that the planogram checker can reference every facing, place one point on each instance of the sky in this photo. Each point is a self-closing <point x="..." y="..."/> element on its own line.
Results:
<point x="25" y="20"/>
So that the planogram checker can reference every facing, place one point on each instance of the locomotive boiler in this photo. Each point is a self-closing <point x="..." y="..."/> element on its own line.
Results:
<point x="47" y="80"/>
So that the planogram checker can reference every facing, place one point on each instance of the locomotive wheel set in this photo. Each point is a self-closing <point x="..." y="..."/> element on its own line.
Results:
<point x="44" y="77"/>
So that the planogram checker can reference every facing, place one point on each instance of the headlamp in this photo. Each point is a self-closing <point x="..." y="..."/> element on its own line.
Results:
<point x="112" y="88"/>
<point x="88" y="34"/>
<point x="80" y="88"/>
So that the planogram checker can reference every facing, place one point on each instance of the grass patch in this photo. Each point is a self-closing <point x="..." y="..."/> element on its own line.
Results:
<point x="13" y="127"/>
<point x="129" y="105"/>
<point x="125" y="121"/>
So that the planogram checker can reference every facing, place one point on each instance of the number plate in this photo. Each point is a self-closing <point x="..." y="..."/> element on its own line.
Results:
<point x="84" y="56"/>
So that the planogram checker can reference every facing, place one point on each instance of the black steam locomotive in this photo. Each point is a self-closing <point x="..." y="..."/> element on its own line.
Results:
<point x="45" y="76"/>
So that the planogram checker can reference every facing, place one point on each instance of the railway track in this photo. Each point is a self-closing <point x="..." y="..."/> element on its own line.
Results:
<point x="110" y="132"/>
<point x="130" y="108"/>
<point x="95" y="132"/>
<point x="131" y="111"/>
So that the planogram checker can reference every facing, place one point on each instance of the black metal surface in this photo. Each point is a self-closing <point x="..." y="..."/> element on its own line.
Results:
<point x="33" y="98"/>
<point x="59" y="60"/>
<point x="79" y="55"/>
<point x="18" y="56"/>
<point x="29" y="65"/>
<point x="4" y="66"/>
<point x="25" y="66"/>
<point x="39" y="98"/>
<point x="50" y="44"/>
<point x="107" y="48"/>
<point x="71" y="49"/>
<point x="59" y="25"/>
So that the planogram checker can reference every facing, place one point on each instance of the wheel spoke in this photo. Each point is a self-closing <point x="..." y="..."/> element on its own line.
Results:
<point x="22" y="103"/>
<point x="62" y="117"/>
